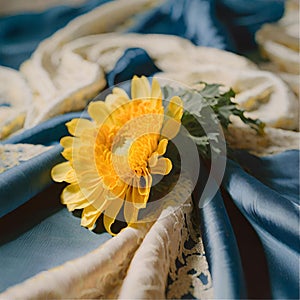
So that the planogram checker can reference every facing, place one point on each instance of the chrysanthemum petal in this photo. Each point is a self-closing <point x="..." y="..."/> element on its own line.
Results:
<point x="87" y="139"/>
<point x="144" y="184"/>
<point x="67" y="153"/>
<point x="174" y="114"/>
<point x="162" y="147"/>
<point x="115" y="101"/>
<point x="98" y="111"/>
<point x="138" y="199"/>
<point x="96" y="182"/>
<point x="72" y="195"/>
<point x="130" y="212"/>
<point x="175" y="108"/>
<point x="140" y="88"/>
<point x="86" y="151"/>
<point x="95" y="196"/>
<point x="119" y="190"/>
<point x="67" y="141"/>
<point x="69" y="146"/>
<point x="77" y="126"/>
<point x="156" y="90"/>
<point x="111" y="212"/>
<point x="84" y="163"/>
<point x="170" y="129"/>
<point x="163" y="166"/>
<point x="89" y="217"/>
<point x="120" y="92"/>
<point x="60" y="172"/>
<point x="152" y="161"/>
<point x="77" y="205"/>
<point x="88" y="181"/>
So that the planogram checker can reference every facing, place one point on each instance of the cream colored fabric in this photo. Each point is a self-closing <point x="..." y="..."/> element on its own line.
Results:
<point x="65" y="72"/>
<point x="272" y="142"/>
<point x="14" y="154"/>
<point x="15" y="98"/>
<point x="164" y="243"/>
<point x="95" y="275"/>
<point x="68" y="69"/>
<point x="101" y="52"/>
<point x="262" y="94"/>
<point x="133" y="265"/>
<point x="63" y="80"/>
<point x="20" y="6"/>
<point x="279" y="42"/>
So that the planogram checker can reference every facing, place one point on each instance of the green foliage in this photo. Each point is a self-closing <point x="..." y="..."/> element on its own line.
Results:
<point x="204" y="110"/>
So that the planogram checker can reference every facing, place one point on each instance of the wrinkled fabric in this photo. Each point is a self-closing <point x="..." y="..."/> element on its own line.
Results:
<point x="134" y="61"/>
<point x="21" y="34"/>
<point x="43" y="244"/>
<point x="220" y="245"/>
<point x="17" y="183"/>
<point x="266" y="190"/>
<point x="242" y="18"/>
<point x="269" y="198"/>
<point x="197" y="20"/>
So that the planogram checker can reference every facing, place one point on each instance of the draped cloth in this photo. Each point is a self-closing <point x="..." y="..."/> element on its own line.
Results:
<point x="188" y="251"/>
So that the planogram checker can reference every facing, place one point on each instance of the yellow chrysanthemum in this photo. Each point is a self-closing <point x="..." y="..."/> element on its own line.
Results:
<point x="112" y="158"/>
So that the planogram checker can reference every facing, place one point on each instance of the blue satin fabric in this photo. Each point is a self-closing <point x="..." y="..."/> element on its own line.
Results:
<point x="192" y="19"/>
<point x="36" y="232"/>
<point x="220" y="244"/>
<point x="17" y="184"/>
<point x="134" y="61"/>
<point x="222" y="251"/>
<point x="47" y="133"/>
<point x="45" y="243"/>
<point x="20" y="183"/>
<point x="242" y="18"/>
<point x="223" y="24"/>
<point x="20" y="34"/>
<point x="269" y="199"/>
<point x="266" y="194"/>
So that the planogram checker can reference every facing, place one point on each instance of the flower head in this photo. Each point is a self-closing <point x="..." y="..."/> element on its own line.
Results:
<point x="111" y="160"/>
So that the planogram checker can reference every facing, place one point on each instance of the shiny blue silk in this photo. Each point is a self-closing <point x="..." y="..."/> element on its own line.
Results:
<point x="20" y="34"/>
<point x="37" y="233"/>
<point x="268" y="196"/>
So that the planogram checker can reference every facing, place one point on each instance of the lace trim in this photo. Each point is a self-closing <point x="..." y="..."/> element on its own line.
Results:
<point x="95" y="275"/>
<point x="12" y="155"/>
<point x="135" y="264"/>
<point x="171" y="257"/>
<point x="189" y="275"/>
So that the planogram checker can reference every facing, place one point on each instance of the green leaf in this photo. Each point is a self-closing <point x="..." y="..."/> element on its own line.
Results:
<point x="199" y="105"/>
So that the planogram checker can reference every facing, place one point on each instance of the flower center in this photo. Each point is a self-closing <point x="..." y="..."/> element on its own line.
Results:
<point x="140" y="151"/>
<point x="122" y="150"/>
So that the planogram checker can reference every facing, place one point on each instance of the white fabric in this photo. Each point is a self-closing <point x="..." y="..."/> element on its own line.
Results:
<point x="133" y="265"/>
<point x="95" y="275"/>
<point x="279" y="42"/>
<point x="68" y="69"/>
<point x="15" y="98"/>
<point x="64" y="73"/>
<point x="14" y="154"/>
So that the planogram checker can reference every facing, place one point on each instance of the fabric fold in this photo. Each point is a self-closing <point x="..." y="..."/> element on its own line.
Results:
<point x="222" y="251"/>
<point x="220" y="245"/>
<point x="51" y="255"/>
<point x="17" y="185"/>
<point x="95" y="275"/>
<point x="272" y="207"/>
<point x="161" y="253"/>
<point x="29" y="177"/>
